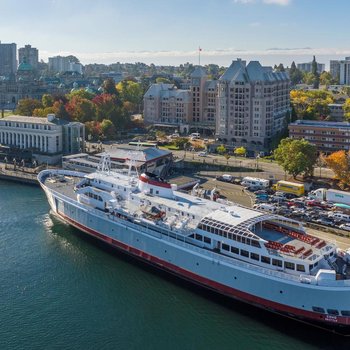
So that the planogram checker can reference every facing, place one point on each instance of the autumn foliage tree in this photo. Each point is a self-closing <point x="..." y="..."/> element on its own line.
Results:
<point x="339" y="162"/>
<point x="27" y="106"/>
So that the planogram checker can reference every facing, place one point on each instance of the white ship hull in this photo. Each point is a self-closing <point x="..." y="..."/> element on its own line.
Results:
<point x="239" y="280"/>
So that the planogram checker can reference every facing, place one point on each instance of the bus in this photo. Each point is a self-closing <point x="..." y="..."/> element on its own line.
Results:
<point x="290" y="187"/>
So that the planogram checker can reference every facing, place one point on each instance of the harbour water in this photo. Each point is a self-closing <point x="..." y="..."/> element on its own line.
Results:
<point x="61" y="290"/>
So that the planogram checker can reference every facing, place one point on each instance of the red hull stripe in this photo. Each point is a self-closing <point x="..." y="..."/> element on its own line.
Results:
<point x="218" y="287"/>
<point x="154" y="183"/>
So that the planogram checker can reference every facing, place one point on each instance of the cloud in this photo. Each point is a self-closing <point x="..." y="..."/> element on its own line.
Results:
<point x="192" y="55"/>
<point x="244" y="2"/>
<point x="277" y="2"/>
<point x="267" y="2"/>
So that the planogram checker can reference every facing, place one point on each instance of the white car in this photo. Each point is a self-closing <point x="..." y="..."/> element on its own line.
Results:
<point x="345" y="227"/>
<point x="202" y="154"/>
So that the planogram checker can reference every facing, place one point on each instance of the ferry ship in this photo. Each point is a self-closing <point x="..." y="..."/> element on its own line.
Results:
<point x="262" y="259"/>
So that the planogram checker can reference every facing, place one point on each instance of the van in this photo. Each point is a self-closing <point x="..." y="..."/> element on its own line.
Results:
<point x="339" y="217"/>
<point x="225" y="178"/>
<point x="265" y="207"/>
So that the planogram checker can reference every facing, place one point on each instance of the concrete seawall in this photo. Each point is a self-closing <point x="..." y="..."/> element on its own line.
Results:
<point x="19" y="176"/>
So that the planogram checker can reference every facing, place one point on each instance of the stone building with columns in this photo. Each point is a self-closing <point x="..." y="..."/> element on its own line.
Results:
<point x="48" y="138"/>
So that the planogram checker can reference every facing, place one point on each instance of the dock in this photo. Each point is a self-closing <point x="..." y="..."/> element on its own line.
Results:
<point x="19" y="176"/>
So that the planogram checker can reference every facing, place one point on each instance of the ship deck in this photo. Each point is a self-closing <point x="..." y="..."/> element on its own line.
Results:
<point x="64" y="185"/>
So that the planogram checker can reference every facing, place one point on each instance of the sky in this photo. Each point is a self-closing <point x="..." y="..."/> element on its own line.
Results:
<point x="170" y="32"/>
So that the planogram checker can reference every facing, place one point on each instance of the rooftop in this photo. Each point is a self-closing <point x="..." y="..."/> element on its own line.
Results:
<point x="321" y="124"/>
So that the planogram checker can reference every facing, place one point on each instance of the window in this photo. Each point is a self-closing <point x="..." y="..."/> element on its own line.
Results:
<point x="255" y="243"/>
<point x="206" y="240"/>
<point x="254" y="256"/>
<point x="265" y="259"/>
<point x="300" y="268"/>
<point x="234" y="250"/>
<point x="225" y="247"/>
<point x="318" y="309"/>
<point x="333" y="312"/>
<point x="345" y="313"/>
<point x="289" y="265"/>
<point x="199" y="237"/>
<point x="277" y="262"/>
<point x="245" y="253"/>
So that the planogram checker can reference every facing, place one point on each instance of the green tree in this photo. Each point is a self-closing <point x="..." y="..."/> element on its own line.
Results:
<point x="27" y="106"/>
<point x="108" y="129"/>
<point x="180" y="142"/>
<point x="109" y="87"/>
<point x="82" y="93"/>
<point x="240" y="151"/>
<point x="47" y="100"/>
<point x="346" y="108"/>
<point x="132" y="92"/>
<point x="314" y="71"/>
<point x="296" y="156"/>
<point x="221" y="149"/>
<point x="295" y="74"/>
<point x="326" y="78"/>
<point x="227" y="157"/>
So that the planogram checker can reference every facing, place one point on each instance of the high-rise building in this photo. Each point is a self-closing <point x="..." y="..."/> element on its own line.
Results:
<point x="247" y="106"/>
<point x="61" y="64"/>
<point x="307" y="67"/>
<point x="344" y="71"/>
<point x="8" y="61"/>
<point x="29" y="55"/>
<point x="334" y="69"/>
<point x="252" y="105"/>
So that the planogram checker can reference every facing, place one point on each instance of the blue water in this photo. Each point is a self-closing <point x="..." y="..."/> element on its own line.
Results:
<point x="60" y="290"/>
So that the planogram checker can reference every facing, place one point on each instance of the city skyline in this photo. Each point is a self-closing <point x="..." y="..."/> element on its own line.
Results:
<point x="271" y="31"/>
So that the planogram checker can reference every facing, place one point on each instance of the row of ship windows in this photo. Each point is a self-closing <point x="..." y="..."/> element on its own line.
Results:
<point x="264" y="259"/>
<point x="229" y="235"/>
<point x="333" y="312"/>
<point x="94" y="196"/>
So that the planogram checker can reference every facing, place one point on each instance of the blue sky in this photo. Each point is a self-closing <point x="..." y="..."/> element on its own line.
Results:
<point x="170" y="31"/>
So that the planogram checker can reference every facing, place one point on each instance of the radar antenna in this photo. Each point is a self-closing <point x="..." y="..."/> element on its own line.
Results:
<point x="105" y="163"/>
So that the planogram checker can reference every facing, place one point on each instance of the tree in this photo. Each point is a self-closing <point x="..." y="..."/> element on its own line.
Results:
<point x="296" y="156"/>
<point x="163" y="80"/>
<point x="47" y="100"/>
<point x="108" y="129"/>
<point x="346" y="108"/>
<point x="132" y="92"/>
<point x="109" y="87"/>
<point x="316" y="82"/>
<point x="339" y="162"/>
<point x="240" y="151"/>
<point x="326" y="78"/>
<point x="227" y="156"/>
<point x="27" y="106"/>
<point x="295" y="74"/>
<point x="81" y="109"/>
<point x="311" y="104"/>
<point x="82" y="93"/>
<point x="221" y="149"/>
<point x="180" y="142"/>
<point x="93" y="128"/>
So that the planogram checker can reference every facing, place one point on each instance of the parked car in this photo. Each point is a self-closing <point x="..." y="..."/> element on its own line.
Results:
<point x="225" y="178"/>
<point x="202" y="154"/>
<point x="345" y="227"/>
<point x="325" y="221"/>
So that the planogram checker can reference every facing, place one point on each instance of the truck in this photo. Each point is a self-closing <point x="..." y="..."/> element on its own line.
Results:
<point x="255" y="182"/>
<point x="331" y="195"/>
<point x="289" y="187"/>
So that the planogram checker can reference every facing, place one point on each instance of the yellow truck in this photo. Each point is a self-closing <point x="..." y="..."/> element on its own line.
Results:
<point x="289" y="187"/>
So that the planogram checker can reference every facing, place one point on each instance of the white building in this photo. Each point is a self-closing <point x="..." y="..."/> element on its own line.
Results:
<point x="48" y="138"/>
<point x="64" y="64"/>
<point x="307" y="67"/>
